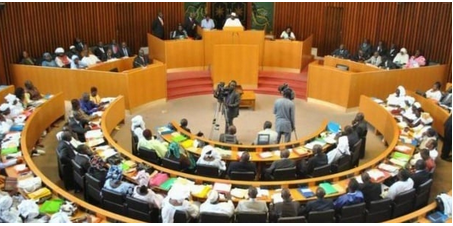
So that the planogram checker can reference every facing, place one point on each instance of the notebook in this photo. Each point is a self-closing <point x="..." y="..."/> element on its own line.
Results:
<point x="221" y="187"/>
<point x="167" y="184"/>
<point x="306" y="192"/>
<point x="328" y="188"/>
<point x="401" y="156"/>
<point x="333" y="127"/>
<point x="179" y="138"/>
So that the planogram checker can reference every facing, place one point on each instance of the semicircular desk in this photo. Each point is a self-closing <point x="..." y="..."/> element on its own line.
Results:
<point x="375" y="115"/>
<point x="41" y="119"/>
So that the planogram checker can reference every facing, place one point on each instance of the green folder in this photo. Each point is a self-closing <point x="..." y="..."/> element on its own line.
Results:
<point x="328" y="188"/>
<point x="179" y="138"/>
<point x="401" y="156"/>
<point x="10" y="150"/>
<point x="51" y="206"/>
<point x="167" y="184"/>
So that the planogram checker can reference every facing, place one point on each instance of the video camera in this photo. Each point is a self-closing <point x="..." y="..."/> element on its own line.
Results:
<point x="221" y="91"/>
<point x="285" y="88"/>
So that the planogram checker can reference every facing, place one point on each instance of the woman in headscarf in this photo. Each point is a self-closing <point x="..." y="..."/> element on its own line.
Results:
<point x="97" y="169"/>
<point x="176" y="153"/>
<point x="398" y="98"/>
<point x="402" y="58"/>
<point x="32" y="91"/>
<point x="177" y="200"/>
<point x="26" y="59"/>
<point x="210" y="157"/>
<point x="138" y="126"/>
<point x="417" y="60"/>
<point x="341" y="149"/>
<point x="62" y="60"/>
<point x="48" y="61"/>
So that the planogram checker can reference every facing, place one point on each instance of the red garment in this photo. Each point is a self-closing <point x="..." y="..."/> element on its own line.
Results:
<point x="64" y="59"/>
<point x="430" y="165"/>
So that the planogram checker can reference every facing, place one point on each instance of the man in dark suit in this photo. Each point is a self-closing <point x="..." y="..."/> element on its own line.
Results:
<point x="231" y="102"/>
<point x="380" y="48"/>
<point x="421" y="175"/>
<point x="388" y="64"/>
<point x="66" y="154"/>
<point x="125" y="51"/>
<point x="287" y="208"/>
<point x="79" y="127"/>
<point x="371" y="191"/>
<point x="320" y="159"/>
<point x="190" y="25"/>
<point x="78" y="44"/>
<point x="352" y="135"/>
<point x="392" y="52"/>
<point x="158" y="26"/>
<point x="366" y="48"/>
<point x="100" y="52"/>
<point x="282" y="163"/>
<point x="341" y="52"/>
<point x="320" y="204"/>
<point x="83" y="156"/>
<point x="360" y="126"/>
<point x="115" y="48"/>
<point x="244" y="165"/>
<point x="141" y="60"/>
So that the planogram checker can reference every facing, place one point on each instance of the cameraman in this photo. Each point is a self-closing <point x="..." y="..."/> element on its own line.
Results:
<point x="284" y="111"/>
<point x="231" y="103"/>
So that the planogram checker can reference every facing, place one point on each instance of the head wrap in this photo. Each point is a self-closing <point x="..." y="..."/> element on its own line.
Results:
<point x="209" y="151"/>
<point x="417" y="105"/>
<point x="5" y="203"/>
<point x="213" y="196"/>
<point x="46" y="54"/>
<point x="59" y="50"/>
<point x="10" y="98"/>
<point x="71" y="47"/>
<point x="74" y="57"/>
<point x="173" y="150"/>
<point x="4" y="107"/>
<point x="28" y="209"/>
<point x="403" y="50"/>
<point x="97" y="162"/>
<point x="137" y="121"/>
<point x="115" y="173"/>
<point x="60" y="218"/>
<point x="233" y="14"/>
<point x="402" y="91"/>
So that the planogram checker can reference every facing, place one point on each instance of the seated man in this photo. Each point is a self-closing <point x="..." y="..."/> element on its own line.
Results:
<point x="288" y="34"/>
<point x="429" y="134"/>
<point x="210" y="157"/>
<point x="79" y="127"/>
<point x="445" y="102"/>
<point x="97" y="169"/>
<point x="429" y="162"/>
<point x="176" y="200"/>
<point x="421" y="175"/>
<point x="207" y="23"/>
<point x="375" y="60"/>
<point x="78" y="114"/>
<point x="145" y="194"/>
<point x="405" y="183"/>
<point x="230" y="137"/>
<point x="402" y="58"/>
<point x="149" y="143"/>
<point x="366" y="48"/>
<point x="354" y="196"/>
<point x="320" y="204"/>
<point x="232" y="21"/>
<point x="94" y="96"/>
<point x="138" y="126"/>
<point x="282" y="163"/>
<point x="359" y="57"/>
<point x="287" y="208"/>
<point x="319" y="159"/>
<point x="431" y="146"/>
<point x="341" y="52"/>
<point x="251" y="204"/>
<point x="66" y="154"/>
<point x="77" y="64"/>
<point x="341" y="149"/>
<point x="83" y="156"/>
<point x="88" y="106"/>
<point x="62" y="60"/>
<point x="371" y="191"/>
<point x="180" y="33"/>
<point x="141" y="60"/>
<point x="352" y="135"/>
<point x="388" y="64"/>
<point x="417" y="60"/>
<point x="434" y="93"/>
<point x="267" y="131"/>
<point x="183" y="124"/>
<point x="244" y="165"/>
<point x="100" y="51"/>
<point x="213" y="205"/>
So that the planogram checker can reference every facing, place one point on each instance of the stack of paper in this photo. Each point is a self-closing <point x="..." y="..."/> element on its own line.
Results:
<point x="184" y="181"/>
<point x="21" y="168"/>
<point x="398" y="162"/>
<point x="265" y="155"/>
<point x="224" y="153"/>
<point x="40" y="193"/>
<point x="401" y="156"/>
<point x="200" y="191"/>
<point x="375" y="174"/>
<point x="277" y="197"/>
<point x="94" y="137"/>
<point x="263" y="193"/>
<point x="403" y="148"/>
<point x="315" y="142"/>
<point x="239" y="193"/>
<point x="301" y="151"/>
<point x="107" y="153"/>
<point x="222" y="188"/>
<point x="164" y="130"/>
<point x="389" y="168"/>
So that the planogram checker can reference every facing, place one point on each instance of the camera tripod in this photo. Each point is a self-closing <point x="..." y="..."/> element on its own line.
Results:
<point x="220" y="108"/>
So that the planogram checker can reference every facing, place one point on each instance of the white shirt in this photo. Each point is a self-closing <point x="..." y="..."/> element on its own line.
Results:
<point x="232" y="23"/>
<point x="205" y="24"/>
<point x="168" y="210"/>
<point x="90" y="60"/>
<point x="341" y="149"/>
<point x="252" y="205"/>
<point x="151" y="197"/>
<point x="216" y="163"/>
<point x="399" y="187"/>
<point x="226" y="208"/>
<point x="401" y="59"/>
<point x="435" y="95"/>
<point x="272" y="136"/>
<point x="285" y="35"/>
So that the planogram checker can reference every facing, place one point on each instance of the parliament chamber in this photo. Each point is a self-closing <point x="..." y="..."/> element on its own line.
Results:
<point x="180" y="70"/>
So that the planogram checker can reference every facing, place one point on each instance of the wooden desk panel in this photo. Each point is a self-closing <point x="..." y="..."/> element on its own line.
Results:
<point x="307" y="57"/>
<point x="353" y="66"/>
<point x="7" y="90"/>
<point x="156" y="48"/>
<point x="184" y="53"/>
<point x="122" y="64"/>
<point x="238" y="62"/>
<point x="282" y="54"/>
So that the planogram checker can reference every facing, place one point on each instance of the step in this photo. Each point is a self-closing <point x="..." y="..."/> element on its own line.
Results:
<point x="285" y="76"/>
<point x="188" y="75"/>
<point x="268" y="92"/>
<point x="189" y="82"/>
<point x="188" y="90"/>
<point x="180" y="95"/>
<point x="292" y="85"/>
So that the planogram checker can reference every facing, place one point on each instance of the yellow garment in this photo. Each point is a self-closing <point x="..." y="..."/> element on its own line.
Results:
<point x="96" y="99"/>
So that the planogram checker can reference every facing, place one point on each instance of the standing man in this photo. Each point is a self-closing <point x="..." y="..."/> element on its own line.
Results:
<point x="284" y="111"/>
<point x="158" y="26"/>
<point x="191" y="25"/>
<point x="231" y="103"/>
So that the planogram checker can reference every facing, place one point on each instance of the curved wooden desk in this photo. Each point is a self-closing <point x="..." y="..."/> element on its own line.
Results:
<point x="438" y="114"/>
<point x="40" y="120"/>
<point x="5" y="91"/>
<point x="374" y="113"/>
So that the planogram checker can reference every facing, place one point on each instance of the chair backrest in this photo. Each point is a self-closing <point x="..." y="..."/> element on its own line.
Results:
<point x="229" y="139"/>
<point x="379" y="211"/>
<point x="113" y="201"/>
<point x="181" y="217"/>
<point x="251" y="217"/>
<point x="79" y="174"/>
<point x="248" y="176"/>
<point x="134" y="142"/>
<point x="285" y="174"/>
<point x="208" y="171"/>
<point x="263" y="139"/>
<point x="149" y="155"/>
<point x="422" y="194"/>
<point x="60" y="166"/>
<point x="138" y="209"/>
<point x="171" y="164"/>
<point x="353" y="213"/>
<point x="321" y="216"/>
<point x="321" y="171"/>
<point x="344" y="163"/>
<point x="214" y="218"/>
<point x="356" y="154"/>
<point x="299" y="219"/>
<point x="403" y="203"/>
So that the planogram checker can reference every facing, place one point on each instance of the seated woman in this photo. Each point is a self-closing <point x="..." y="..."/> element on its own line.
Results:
<point x="397" y="99"/>
<point x="145" y="194"/>
<point x="210" y="157"/>
<point x="149" y="143"/>
<point x="115" y="184"/>
<point x="48" y="61"/>
<point x="109" y="55"/>
<point x="176" y="153"/>
<point x="402" y="58"/>
<point x="26" y="59"/>
<point x="288" y="34"/>
<point x="434" y="93"/>
<point x="89" y="58"/>
<point x="31" y="91"/>
<point x="417" y="60"/>
<point x="14" y="105"/>
<point x="97" y="169"/>
<point x="138" y="126"/>
<point x="180" y="33"/>
<point x="62" y="60"/>
<point x="229" y="137"/>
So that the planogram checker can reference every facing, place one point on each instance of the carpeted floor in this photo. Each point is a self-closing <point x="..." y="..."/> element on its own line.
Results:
<point x="199" y="110"/>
